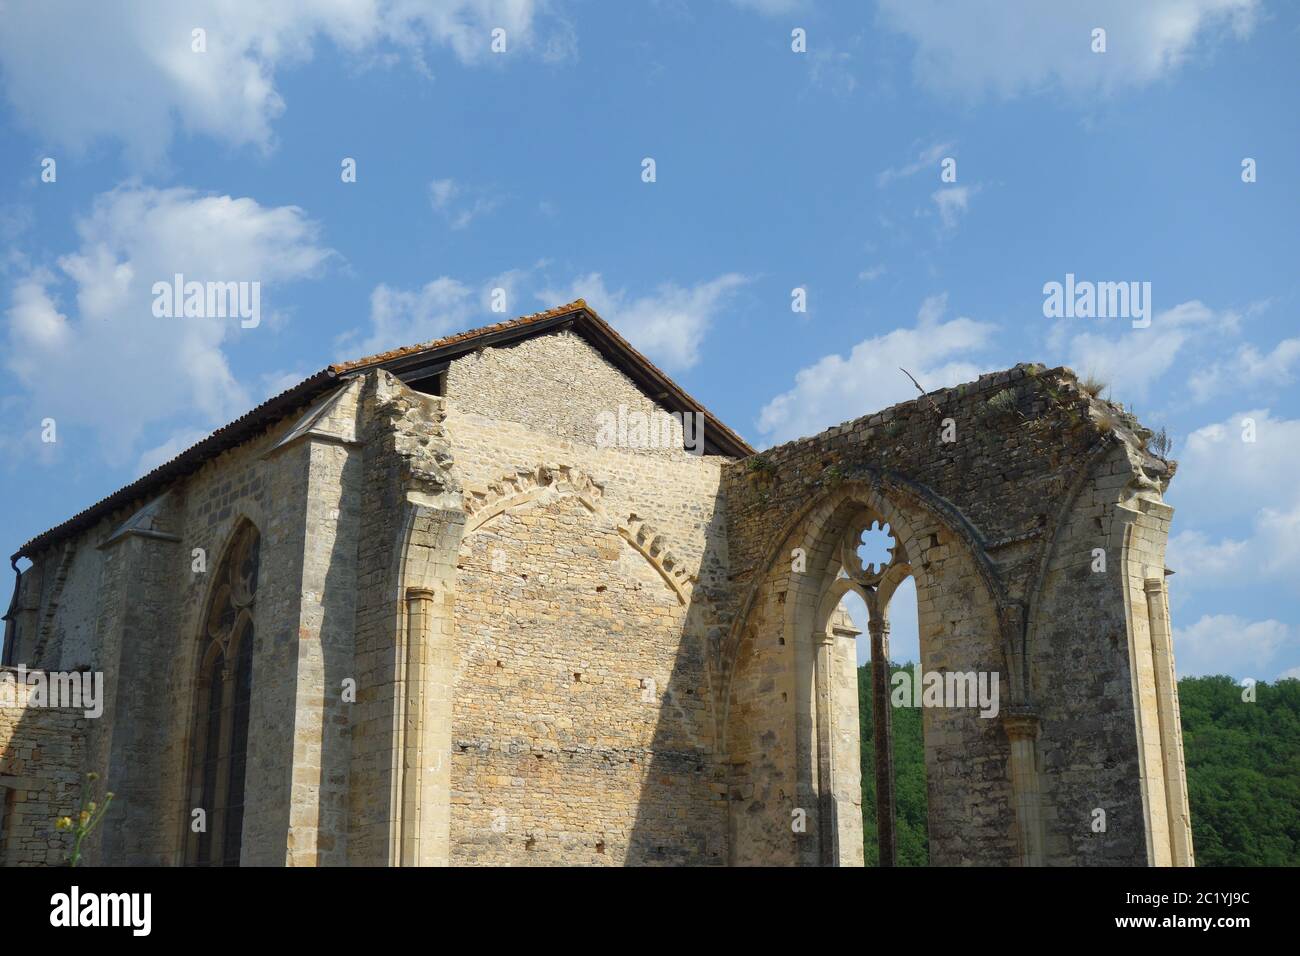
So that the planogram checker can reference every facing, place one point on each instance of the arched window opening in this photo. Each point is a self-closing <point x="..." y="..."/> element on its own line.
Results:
<point x="219" y="743"/>
<point x="873" y="589"/>
<point x="907" y="744"/>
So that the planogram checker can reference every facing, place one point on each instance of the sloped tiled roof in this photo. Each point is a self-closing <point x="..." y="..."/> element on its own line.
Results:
<point x="576" y="316"/>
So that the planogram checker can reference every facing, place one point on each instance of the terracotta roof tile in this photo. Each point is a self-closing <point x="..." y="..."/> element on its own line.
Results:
<point x="405" y="350"/>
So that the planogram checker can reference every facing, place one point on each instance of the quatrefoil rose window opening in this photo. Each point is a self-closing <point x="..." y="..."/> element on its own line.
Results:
<point x="869" y="549"/>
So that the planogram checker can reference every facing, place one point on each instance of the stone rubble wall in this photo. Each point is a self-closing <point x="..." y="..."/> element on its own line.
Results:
<point x="42" y="751"/>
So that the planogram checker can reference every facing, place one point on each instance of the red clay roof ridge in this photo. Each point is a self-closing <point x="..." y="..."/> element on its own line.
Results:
<point x="575" y="306"/>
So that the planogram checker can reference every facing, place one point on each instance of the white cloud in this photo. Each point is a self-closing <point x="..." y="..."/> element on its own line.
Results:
<point x="837" y="389"/>
<point x="80" y="72"/>
<point x="103" y="360"/>
<point x="1245" y="486"/>
<point x="668" y="325"/>
<point x="399" y="317"/>
<point x="1247" y="370"/>
<point x="151" y="458"/>
<point x="444" y="195"/>
<point x="441" y="193"/>
<point x="1202" y="343"/>
<point x="1194" y="555"/>
<point x="1228" y="644"/>
<point x="927" y="159"/>
<point x="1133" y="360"/>
<point x="1009" y="47"/>
<point x="1242" y="476"/>
<point x="952" y="203"/>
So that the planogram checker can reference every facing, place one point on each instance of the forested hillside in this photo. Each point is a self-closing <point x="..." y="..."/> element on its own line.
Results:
<point x="1243" y="771"/>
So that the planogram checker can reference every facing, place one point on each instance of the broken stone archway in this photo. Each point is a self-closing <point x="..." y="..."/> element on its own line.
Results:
<point x="1001" y="531"/>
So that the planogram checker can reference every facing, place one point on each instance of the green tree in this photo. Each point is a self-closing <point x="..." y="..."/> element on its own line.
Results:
<point x="1243" y="771"/>
<point x="912" y="838"/>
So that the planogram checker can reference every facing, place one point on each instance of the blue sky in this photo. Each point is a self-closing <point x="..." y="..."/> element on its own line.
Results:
<point x="775" y="169"/>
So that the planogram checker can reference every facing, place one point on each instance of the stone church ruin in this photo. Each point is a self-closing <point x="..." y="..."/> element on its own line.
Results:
<point x="413" y="612"/>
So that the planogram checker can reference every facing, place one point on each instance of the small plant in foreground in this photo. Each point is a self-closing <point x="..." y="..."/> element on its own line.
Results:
<point x="88" y="817"/>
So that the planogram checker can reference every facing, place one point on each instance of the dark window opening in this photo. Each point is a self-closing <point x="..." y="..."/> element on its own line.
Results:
<point x="435" y="384"/>
<point x="219" y="742"/>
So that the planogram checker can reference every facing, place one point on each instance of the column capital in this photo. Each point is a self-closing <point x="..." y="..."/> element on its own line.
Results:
<point x="1021" y="724"/>
<point x="878" y="627"/>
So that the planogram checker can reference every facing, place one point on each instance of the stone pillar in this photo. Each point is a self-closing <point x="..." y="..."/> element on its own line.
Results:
<point x="1171" y="733"/>
<point x="827" y="825"/>
<point x="1022" y="731"/>
<point x="881" y="717"/>
<point x="419" y="617"/>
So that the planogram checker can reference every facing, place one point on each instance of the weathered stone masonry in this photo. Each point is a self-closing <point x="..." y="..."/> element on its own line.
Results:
<point x="482" y="638"/>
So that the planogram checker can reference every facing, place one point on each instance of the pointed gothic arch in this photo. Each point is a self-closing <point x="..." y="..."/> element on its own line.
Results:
<point x="223" y="684"/>
<point x="787" y="613"/>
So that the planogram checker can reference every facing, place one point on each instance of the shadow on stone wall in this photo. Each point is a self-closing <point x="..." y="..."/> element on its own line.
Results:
<point x="682" y="811"/>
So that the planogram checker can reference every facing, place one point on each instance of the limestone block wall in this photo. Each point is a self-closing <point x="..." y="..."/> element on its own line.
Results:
<point x="42" y="754"/>
<point x="555" y="384"/>
<point x="142" y="601"/>
<point x="1082" y="641"/>
<point x="583" y="725"/>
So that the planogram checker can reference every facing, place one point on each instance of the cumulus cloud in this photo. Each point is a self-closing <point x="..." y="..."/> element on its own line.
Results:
<point x="1228" y="644"/>
<point x="407" y="317"/>
<point x="1132" y="360"/>
<point x="84" y="343"/>
<point x="1247" y="369"/>
<point x="81" y="72"/>
<point x="836" y="389"/>
<point x="668" y="325"/>
<point x="1244" y="489"/>
<point x="1009" y="47"/>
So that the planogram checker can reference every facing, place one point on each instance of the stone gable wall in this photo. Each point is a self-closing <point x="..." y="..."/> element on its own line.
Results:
<point x="555" y="384"/>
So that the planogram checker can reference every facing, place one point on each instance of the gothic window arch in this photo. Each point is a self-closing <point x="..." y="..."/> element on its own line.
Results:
<point x="223" y="693"/>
